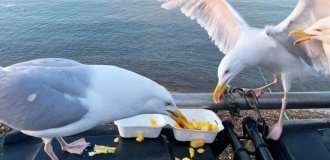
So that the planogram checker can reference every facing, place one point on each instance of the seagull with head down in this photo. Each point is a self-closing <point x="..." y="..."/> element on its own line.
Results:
<point x="52" y="98"/>
<point x="270" y="47"/>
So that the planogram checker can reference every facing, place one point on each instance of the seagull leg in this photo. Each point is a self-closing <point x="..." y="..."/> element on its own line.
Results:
<point x="49" y="149"/>
<point x="76" y="147"/>
<point x="275" y="131"/>
<point x="259" y="91"/>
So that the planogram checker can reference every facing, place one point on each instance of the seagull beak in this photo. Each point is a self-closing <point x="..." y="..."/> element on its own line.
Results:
<point x="178" y="117"/>
<point x="305" y="35"/>
<point x="303" y="39"/>
<point x="298" y="32"/>
<point x="219" y="91"/>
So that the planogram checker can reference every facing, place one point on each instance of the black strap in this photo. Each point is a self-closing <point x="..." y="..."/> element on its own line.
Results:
<point x="252" y="101"/>
<point x="229" y="99"/>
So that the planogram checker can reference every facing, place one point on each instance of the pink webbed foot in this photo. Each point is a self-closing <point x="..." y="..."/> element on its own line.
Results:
<point x="258" y="91"/>
<point x="76" y="147"/>
<point x="49" y="149"/>
<point x="275" y="131"/>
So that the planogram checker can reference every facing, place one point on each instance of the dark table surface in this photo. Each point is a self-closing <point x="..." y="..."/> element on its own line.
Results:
<point x="301" y="139"/>
<point x="19" y="146"/>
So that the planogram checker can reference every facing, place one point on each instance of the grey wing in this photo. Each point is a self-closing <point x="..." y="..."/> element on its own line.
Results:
<point x="303" y="16"/>
<point x="48" y="62"/>
<point x="40" y="98"/>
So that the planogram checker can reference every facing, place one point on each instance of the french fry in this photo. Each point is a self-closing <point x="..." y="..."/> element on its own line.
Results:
<point x="191" y="152"/>
<point x="177" y="126"/>
<point x="99" y="149"/>
<point x="186" y="158"/>
<point x="196" y="125"/>
<point x="139" y="137"/>
<point x="153" y="122"/>
<point x="215" y="128"/>
<point x="116" y="140"/>
<point x="189" y="125"/>
<point x="207" y="126"/>
<point x="183" y="123"/>
<point x="197" y="143"/>
<point x="200" y="150"/>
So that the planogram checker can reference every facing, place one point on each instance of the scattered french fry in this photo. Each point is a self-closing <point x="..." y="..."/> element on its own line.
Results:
<point x="200" y="150"/>
<point x="99" y="149"/>
<point x="176" y="158"/>
<point x="153" y="122"/>
<point x="139" y="137"/>
<point x="186" y="158"/>
<point x="197" y="143"/>
<point x="91" y="154"/>
<point x="191" y="152"/>
<point x="116" y="140"/>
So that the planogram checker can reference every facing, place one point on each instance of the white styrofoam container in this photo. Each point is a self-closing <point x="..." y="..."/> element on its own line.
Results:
<point x="130" y="127"/>
<point x="199" y="115"/>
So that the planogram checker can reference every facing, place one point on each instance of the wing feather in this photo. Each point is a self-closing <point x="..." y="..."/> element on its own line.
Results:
<point x="222" y="23"/>
<point x="305" y="14"/>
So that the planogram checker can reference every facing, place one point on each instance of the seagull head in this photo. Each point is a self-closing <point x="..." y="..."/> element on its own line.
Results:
<point x="131" y="94"/>
<point x="320" y="30"/>
<point x="160" y="101"/>
<point x="153" y="98"/>
<point x="230" y="66"/>
<point x="164" y="104"/>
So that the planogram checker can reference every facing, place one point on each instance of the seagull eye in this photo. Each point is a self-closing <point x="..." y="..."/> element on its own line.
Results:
<point x="167" y="104"/>
<point x="319" y="30"/>
<point x="227" y="71"/>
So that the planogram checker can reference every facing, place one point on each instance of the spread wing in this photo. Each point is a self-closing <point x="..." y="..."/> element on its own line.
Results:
<point x="305" y="14"/>
<point x="223" y="24"/>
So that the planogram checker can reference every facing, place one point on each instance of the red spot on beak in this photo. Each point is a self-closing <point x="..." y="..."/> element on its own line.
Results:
<point x="220" y="98"/>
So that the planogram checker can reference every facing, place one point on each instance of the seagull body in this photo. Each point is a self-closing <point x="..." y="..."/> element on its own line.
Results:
<point x="50" y="98"/>
<point x="270" y="47"/>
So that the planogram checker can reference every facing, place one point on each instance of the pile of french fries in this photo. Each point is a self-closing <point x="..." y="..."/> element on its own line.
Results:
<point x="196" y="125"/>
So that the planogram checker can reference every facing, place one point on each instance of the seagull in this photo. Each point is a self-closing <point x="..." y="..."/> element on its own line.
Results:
<point x="270" y="47"/>
<point x="52" y="98"/>
<point x="319" y="31"/>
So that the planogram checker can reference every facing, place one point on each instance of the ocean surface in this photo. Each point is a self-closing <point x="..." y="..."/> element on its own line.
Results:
<point x="137" y="35"/>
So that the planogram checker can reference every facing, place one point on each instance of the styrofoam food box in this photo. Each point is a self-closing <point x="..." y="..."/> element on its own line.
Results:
<point x="199" y="115"/>
<point x="130" y="127"/>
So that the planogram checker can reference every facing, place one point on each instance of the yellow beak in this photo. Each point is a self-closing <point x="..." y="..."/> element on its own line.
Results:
<point x="218" y="92"/>
<point x="178" y="117"/>
<point x="298" y="32"/>
<point x="305" y="35"/>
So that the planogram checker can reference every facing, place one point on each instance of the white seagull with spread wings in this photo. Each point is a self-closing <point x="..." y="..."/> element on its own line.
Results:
<point x="268" y="47"/>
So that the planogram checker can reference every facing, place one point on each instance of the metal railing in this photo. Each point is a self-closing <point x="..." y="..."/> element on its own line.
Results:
<point x="296" y="100"/>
